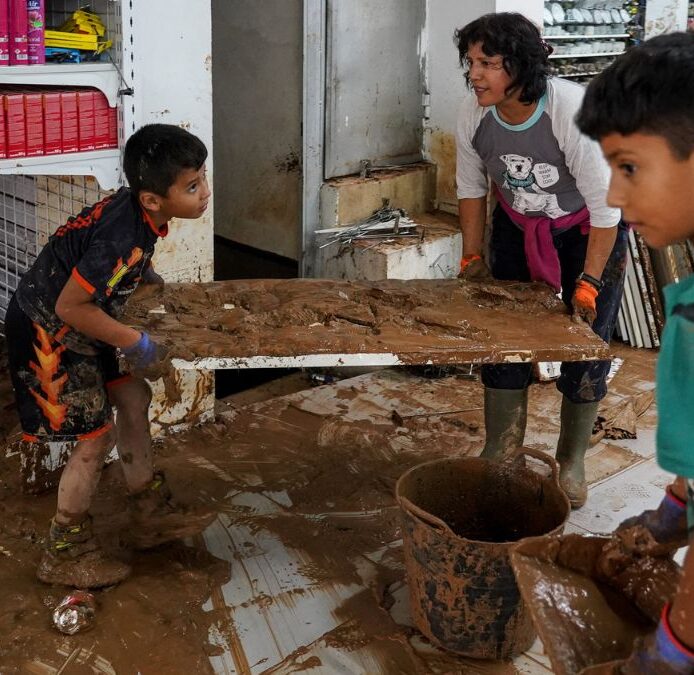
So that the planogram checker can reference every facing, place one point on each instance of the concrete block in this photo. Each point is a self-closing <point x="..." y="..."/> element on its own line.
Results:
<point x="347" y="200"/>
<point x="436" y="256"/>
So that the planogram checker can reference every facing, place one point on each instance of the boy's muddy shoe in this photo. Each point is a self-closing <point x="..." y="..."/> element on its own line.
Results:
<point x="73" y="557"/>
<point x="158" y="518"/>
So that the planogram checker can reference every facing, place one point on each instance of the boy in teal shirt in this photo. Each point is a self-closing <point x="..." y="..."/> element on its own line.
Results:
<point x="641" y="109"/>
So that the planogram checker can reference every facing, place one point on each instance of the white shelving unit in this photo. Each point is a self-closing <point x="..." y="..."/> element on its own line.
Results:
<point x="575" y="36"/>
<point x="585" y="56"/>
<point x="103" y="76"/>
<point x="104" y="165"/>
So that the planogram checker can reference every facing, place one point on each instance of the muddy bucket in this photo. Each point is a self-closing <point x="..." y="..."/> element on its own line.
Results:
<point x="460" y="518"/>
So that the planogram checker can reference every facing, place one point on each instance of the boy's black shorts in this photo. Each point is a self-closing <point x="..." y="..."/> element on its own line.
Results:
<point x="61" y="395"/>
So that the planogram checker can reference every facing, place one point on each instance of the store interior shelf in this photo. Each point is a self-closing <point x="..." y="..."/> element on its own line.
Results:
<point x="103" y="76"/>
<point x="583" y="56"/>
<point x="104" y="165"/>
<point x="570" y="75"/>
<point x="574" y="36"/>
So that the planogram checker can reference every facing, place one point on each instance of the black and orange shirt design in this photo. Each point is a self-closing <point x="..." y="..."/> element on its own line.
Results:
<point x="105" y="249"/>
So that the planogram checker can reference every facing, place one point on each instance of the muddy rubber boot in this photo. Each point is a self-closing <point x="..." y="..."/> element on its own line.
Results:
<point x="157" y="518"/>
<point x="505" y="419"/>
<point x="73" y="557"/>
<point x="577" y="421"/>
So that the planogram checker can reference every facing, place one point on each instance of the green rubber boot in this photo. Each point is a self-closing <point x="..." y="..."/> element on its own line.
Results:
<point x="505" y="419"/>
<point x="577" y="421"/>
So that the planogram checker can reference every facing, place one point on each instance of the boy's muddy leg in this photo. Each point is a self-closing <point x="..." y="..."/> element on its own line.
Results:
<point x="81" y="476"/>
<point x="156" y="517"/>
<point x="72" y="556"/>
<point x="131" y="398"/>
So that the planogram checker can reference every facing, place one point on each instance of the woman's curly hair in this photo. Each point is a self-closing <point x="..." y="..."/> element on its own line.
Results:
<point x="518" y="41"/>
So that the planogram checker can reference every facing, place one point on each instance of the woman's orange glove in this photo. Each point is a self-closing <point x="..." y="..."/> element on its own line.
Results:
<point x="583" y="301"/>
<point x="473" y="268"/>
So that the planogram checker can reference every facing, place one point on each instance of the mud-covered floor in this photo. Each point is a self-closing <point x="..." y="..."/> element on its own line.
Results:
<point x="302" y="571"/>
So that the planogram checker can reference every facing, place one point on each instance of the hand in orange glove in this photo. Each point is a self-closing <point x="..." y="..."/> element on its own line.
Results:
<point x="473" y="268"/>
<point x="583" y="302"/>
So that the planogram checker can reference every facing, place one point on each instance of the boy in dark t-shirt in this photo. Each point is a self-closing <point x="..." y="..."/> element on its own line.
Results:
<point x="63" y="330"/>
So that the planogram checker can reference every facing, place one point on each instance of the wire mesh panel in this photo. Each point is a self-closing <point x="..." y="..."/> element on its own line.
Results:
<point x="31" y="209"/>
<point x="18" y="233"/>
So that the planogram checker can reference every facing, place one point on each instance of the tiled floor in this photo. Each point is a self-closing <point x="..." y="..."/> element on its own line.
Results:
<point x="292" y="631"/>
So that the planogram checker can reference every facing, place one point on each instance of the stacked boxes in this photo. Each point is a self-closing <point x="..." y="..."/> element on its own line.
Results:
<point x="56" y="120"/>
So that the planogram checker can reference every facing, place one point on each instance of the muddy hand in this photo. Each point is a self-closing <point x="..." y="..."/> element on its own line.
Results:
<point x="583" y="302"/>
<point x="660" y="653"/>
<point x="146" y="357"/>
<point x="151" y="277"/>
<point x="473" y="268"/>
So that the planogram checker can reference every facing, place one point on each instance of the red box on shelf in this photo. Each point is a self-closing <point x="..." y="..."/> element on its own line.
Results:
<point x="15" y="126"/>
<point x="70" y="123"/>
<point x="52" y="132"/>
<point x="85" y="113"/>
<point x="113" y="127"/>
<point x="33" y="116"/>
<point x="101" y="121"/>
<point x="3" y="145"/>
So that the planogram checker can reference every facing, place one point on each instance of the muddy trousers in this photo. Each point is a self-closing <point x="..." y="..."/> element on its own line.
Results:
<point x="580" y="381"/>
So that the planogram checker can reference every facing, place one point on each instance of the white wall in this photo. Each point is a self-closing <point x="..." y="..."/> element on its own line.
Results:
<point x="173" y="85"/>
<point x="445" y="80"/>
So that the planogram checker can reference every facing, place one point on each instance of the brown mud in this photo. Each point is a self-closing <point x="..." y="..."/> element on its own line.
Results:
<point x="422" y="321"/>
<point x="586" y="612"/>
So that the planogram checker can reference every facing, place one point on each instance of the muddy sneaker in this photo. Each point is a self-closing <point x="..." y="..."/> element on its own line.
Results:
<point x="73" y="557"/>
<point x="157" y="518"/>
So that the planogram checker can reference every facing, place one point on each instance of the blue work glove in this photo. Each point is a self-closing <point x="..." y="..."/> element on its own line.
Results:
<point x="667" y="523"/>
<point x="151" y="277"/>
<point x="144" y="353"/>
<point x="659" y="653"/>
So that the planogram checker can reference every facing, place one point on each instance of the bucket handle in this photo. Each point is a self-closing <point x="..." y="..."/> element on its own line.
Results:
<point x="423" y="515"/>
<point x="518" y="453"/>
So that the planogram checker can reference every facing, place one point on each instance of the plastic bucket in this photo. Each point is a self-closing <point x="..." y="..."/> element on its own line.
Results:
<point x="460" y="518"/>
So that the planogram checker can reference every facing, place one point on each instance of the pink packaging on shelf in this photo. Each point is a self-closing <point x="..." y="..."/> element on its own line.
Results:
<point x="36" y="24"/>
<point x="101" y="121"/>
<point x="85" y="113"/>
<point x="52" y="123"/>
<point x="69" y="121"/>
<point x="4" y="33"/>
<point x="19" y="45"/>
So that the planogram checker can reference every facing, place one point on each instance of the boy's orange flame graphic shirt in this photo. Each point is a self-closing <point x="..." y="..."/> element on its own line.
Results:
<point x="106" y="249"/>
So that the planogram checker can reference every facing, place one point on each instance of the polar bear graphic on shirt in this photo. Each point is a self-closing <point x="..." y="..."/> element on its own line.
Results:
<point x="521" y="178"/>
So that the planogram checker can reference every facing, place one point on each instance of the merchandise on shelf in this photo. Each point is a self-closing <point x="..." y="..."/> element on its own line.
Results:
<point x="25" y="40"/>
<point x="56" y="120"/>
<point x="586" y="34"/>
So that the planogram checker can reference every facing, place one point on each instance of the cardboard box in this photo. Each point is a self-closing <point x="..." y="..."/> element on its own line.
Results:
<point x="52" y="123"/>
<point x="70" y="123"/>
<point x="113" y="127"/>
<point x="101" y="121"/>
<point x="85" y="113"/>
<point x="33" y="118"/>
<point x="15" y="125"/>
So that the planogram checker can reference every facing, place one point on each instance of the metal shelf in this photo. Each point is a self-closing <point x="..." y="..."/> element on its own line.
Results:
<point x="584" y="56"/>
<point x="569" y="36"/>
<point x="103" y="76"/>
<point x="104" y="165"/>
<point x="569" y="75"/>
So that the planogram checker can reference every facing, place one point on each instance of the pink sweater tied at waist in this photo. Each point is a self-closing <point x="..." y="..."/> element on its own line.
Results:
<point x="540" y="253"/>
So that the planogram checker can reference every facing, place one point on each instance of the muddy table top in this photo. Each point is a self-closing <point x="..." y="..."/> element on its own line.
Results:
<point x="265" y="323"/>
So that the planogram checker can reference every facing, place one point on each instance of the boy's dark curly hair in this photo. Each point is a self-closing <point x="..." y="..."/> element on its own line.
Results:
<point x="518" y="41"/>
<point x="648" y="90"/>
<point x="156" y="154"/>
